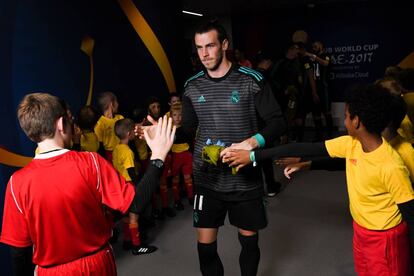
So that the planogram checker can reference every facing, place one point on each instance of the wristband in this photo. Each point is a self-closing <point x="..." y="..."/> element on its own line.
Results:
<point x="260" y="140"/>
<point x="253" y="158"/>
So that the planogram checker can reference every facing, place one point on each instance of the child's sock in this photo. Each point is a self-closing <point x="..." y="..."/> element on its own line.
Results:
<point x="135" y="238"/>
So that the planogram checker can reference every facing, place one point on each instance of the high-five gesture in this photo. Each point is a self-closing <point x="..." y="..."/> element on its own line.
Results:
<point x="160" y="137"/>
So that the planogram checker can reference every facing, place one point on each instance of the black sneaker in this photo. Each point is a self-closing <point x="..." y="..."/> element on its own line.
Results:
<point x="273" y="189"/>
<point x="169" y="212"/>
<point x="157" y="214"/>
<point x="179" y="206"/>
<point x="143" y="249"/>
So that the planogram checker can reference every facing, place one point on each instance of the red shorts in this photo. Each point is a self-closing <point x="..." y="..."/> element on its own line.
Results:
<point x="382" y="253"/>
<point x="101" y="263"/>
<point x="182" y="162"/>
<point x="167" y="167"/>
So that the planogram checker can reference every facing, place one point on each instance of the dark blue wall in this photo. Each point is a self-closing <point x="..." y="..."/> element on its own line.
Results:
<point x="7" y="13"/>
<point x="40" y="52"/>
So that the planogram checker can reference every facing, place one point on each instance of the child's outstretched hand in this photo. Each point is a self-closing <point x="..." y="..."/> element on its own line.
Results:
<point x="148" y="123"/>
<point x="290" y="169"/>
<point x="237" y="158"/>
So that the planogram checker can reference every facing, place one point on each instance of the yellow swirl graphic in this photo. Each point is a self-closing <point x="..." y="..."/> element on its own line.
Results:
<point x="153" y="45"/>
<point x="87" y="46"/>
<point x="150" y="40"/>
<point x="11" y="159"/>
<point x="408" y="61"/>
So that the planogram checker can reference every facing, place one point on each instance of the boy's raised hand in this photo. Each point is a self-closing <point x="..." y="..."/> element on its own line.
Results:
<point x="160" y="137"/>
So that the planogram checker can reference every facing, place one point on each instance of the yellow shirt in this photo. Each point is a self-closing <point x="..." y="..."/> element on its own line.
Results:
<point x="409" y="100"/>
<point x="104" y="129"/>
<point x="406" y="130"/>
<point x="177" y="148"/>
<point x="141" y="147"/>
<point x="123" y="159"/>
<point x="89" y="142"/>
<point x="377" y="181"/>
<point x="406" y="152"/>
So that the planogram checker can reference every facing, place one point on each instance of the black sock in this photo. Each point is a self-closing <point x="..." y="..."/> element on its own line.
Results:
<point x="210" y="263"/>
<point x="249" y="255"/>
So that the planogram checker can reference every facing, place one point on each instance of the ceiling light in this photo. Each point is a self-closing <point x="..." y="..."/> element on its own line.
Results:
<point x="193" y="13"/>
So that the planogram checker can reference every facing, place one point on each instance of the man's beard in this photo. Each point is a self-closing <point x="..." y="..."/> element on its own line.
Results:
<point x="218" y="63"/>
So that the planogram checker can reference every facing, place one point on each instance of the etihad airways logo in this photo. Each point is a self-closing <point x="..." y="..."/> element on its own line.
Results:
<point x="353" y="161"/>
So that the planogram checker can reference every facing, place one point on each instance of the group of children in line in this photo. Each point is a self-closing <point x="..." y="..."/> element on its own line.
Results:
<point x="378" y="154"/>
<point x="113" y="137"/>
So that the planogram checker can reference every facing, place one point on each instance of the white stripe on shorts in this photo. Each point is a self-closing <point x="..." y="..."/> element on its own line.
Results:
<point x="195" y="202"/>
<point x="200" y="203"/>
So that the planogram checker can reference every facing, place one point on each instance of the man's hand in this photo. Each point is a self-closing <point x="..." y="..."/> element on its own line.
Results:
<point x="237" y="158"/>
<point x="248" y="144"/>
<point x="160" y="137"/>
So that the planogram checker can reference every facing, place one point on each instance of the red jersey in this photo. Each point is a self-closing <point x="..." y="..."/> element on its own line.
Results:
<point x="56" y="204"/>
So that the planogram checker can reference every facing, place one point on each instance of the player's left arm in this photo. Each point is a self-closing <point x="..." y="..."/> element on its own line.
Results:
<point x="272" y="119"/>
<point x="22" y="264"/>
<point x="270" y="112"/>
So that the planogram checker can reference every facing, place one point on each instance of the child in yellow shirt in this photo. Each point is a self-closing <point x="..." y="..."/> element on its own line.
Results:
<point x="182" y="159"/>
<point x="380" y="192"/>
<point x="86" y="121"/>
<point x="104" y="129"/>
<point x="123" y="161"/>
